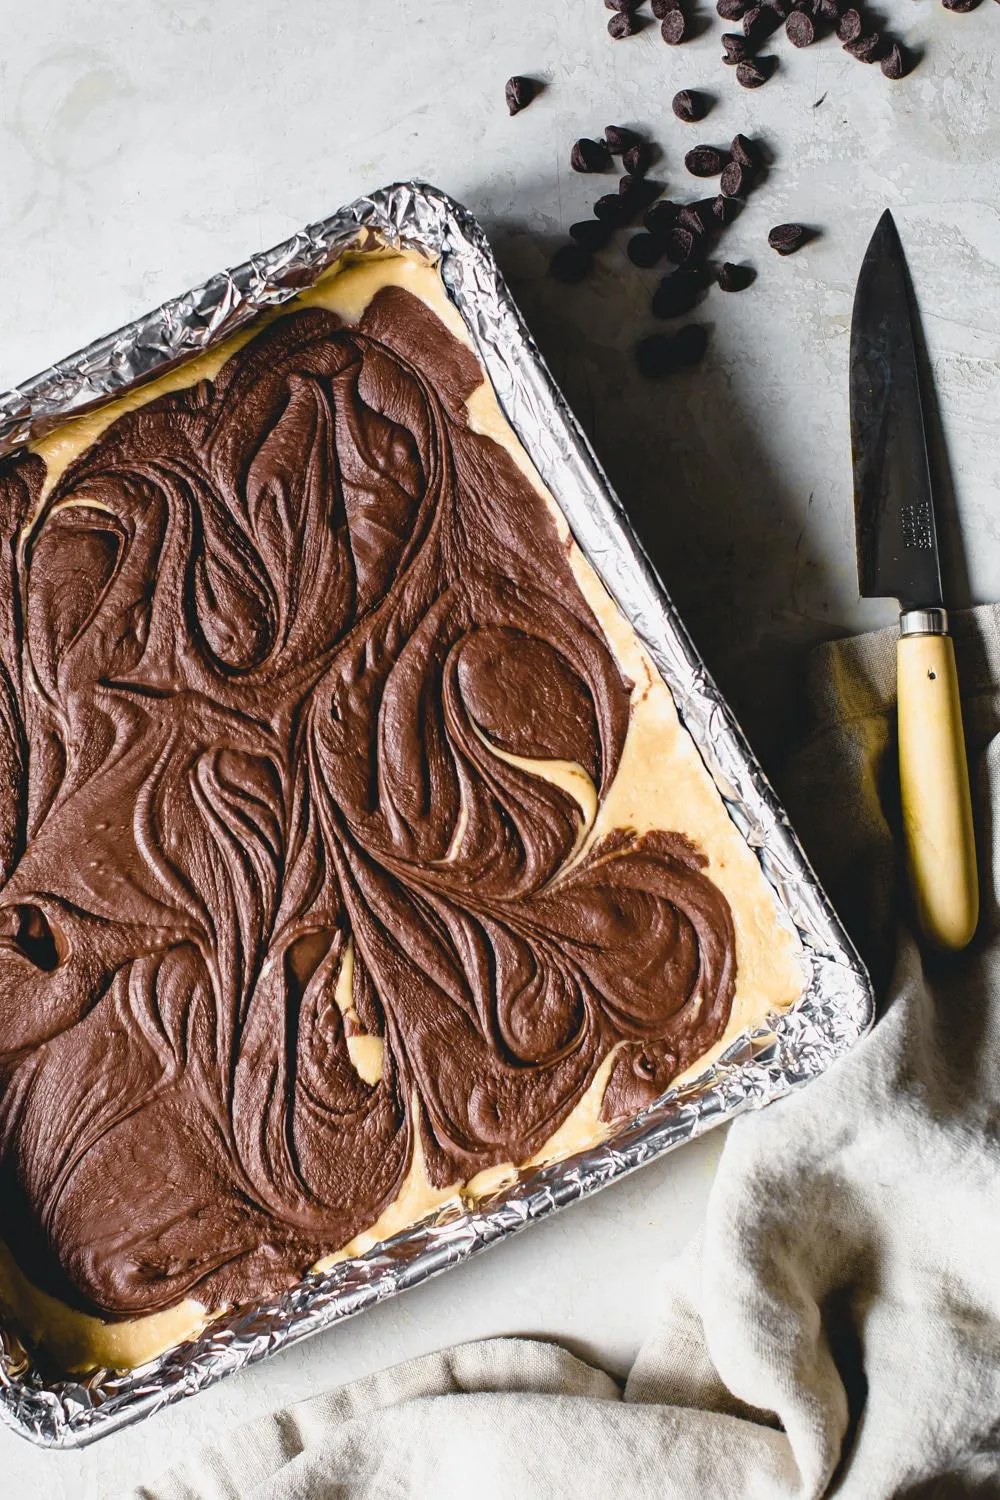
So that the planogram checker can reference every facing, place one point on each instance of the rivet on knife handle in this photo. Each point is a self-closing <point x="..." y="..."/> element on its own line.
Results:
<point x="934" y="782"/>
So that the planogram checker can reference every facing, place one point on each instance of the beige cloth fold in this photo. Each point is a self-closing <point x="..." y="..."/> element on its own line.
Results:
<point x="836" y="1328"/>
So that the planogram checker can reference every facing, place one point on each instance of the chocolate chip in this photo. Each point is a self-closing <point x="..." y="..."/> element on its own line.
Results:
<point x="725" y="209"/>
<point x="894" y="64"/>
<point x="698" y="217"/>
<point x="644" y="250"/>
<point x="661" y="218"/>
<point x="732" y="278"/>
<point x="609" y="209"/>
<point x="661" y="7"/>
<point x="679" y="245"/>
<point x="637" y="160"/>
<point x="741" y="150"/>
<point x="592" y="234"/>
<point x="620" y="4"/>
<point x="689" y="105"/>
<point x="735" y="180"/>
<point x="570" y="263"/>
<point x="619" y="139"/>
<point x="752" y="74"/>
<point x="623" y="23"/>
<point x="760" y="22"/>
<point x="787" y="238"/>
<point x="690" y="342"/>
<point x="826" y="10"/>
<point x="519" y="93"/>
<point x="635" y="194"/>
<point x="677" y="294"/>
<point x="865" y="48"/>
<point x="850" y="25"/>
<point x="705" y="161"/>
<point x="781" y="8"/>
<point x="662" y="353"/>
<point x="799" y="29"/>
<point x="732" y="10"/>
<point x="736" y="47"/>
<point x="673" y="27"/>
<point x="961" y="7"/>
<point x="589" y="156"/>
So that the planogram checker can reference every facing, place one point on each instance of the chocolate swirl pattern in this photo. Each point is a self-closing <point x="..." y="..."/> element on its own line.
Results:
<point x="290" y="662"/>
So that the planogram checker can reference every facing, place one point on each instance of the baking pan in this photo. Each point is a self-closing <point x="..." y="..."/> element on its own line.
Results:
<point x="836" y="1006"/>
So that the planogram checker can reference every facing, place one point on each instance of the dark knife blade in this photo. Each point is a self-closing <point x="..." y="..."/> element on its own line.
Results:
<point x="893" y="500"/>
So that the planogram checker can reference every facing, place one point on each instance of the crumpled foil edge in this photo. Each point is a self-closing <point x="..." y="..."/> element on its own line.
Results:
<point x="837" y="1006"/>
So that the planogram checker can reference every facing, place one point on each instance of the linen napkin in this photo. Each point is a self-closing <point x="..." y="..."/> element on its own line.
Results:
<point x="836" y="1328"/>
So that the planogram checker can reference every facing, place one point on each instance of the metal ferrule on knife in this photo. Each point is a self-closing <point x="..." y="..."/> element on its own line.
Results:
<point x="932" y="621"/>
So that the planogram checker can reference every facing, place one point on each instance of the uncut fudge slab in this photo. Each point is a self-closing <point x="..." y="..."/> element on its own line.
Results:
<point x="351" y="849"/>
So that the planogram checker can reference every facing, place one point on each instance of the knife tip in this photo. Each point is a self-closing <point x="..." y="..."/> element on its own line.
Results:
<point x="885" y="230"/>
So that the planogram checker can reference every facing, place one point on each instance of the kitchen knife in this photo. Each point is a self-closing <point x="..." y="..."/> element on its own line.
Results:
<point x="898" y="557"/>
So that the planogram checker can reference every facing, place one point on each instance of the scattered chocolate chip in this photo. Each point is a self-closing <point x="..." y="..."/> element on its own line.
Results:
<point x="865" y="48"/>
<point x="644" y="250"/>
<point x="592" y="234"/>
<point x="623" y="23"/>
<point x="799" y="29"/>
<point x="589" y="156"/>
<point x="632" y="186"/>
<point x="637" y="160"/>
<point x="894" y="64"/>
<point x="636" y="194"/>
<point x="661" y="353"/>
<point x="741" y="150"/>
<point x="619" y="139"/>
<point x="732" y="278"/>
<point x="661" y="218"/>
<point x="679" y="244"/>
<point x="752" y="74"/>
<point x="609" y="209"/>
<point x="661" y="7"/>
<point x="689" y="105"/>
<point x="850" y="25"/>
<point x="673" y="27"/>
<point x="787" y="238"/>
<point x="705" y="161"/>
<point x="519" y="93"/>
<point x="725" y="209"/>
<point x="570" y="263"/>
<point x="698" y="217"/>
<point x="736" y="47"/>
<point x="827" y="10"/>
<point x="732" y="10"/>
<point x="961" y="7"/>
<point x="759" y="22"/>
<point x="677" y="294"/>
<point x="735" y="180"/>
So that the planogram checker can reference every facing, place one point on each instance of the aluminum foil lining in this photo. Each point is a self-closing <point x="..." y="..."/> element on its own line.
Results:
<point x="837" y="1006"/>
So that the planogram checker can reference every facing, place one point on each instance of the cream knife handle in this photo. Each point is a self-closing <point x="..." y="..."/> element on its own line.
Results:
<point x="934" y="781"/>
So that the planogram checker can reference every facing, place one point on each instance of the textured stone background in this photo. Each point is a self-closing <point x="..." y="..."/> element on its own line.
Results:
<point x="143" y="145"/>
